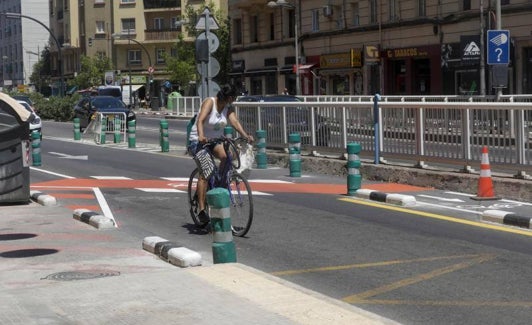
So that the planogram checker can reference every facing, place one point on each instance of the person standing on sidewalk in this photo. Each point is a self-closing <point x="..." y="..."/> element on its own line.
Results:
<point x="214" y="115"/>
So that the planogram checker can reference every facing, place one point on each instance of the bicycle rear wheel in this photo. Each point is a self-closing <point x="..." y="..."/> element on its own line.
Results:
<point x="241" y="205"/>
<point x="193" y="198"/>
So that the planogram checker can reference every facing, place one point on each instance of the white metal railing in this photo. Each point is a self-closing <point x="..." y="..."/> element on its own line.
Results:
<point x="184" y="106"/>
<point x="449" y="131"/>
<point x="112" y="121"/>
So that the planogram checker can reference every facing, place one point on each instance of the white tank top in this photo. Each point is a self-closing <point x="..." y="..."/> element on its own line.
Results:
<point x="214" y="124"/>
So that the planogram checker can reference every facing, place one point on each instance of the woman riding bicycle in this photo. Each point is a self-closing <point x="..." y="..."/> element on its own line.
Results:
<point x="214" y="115"/>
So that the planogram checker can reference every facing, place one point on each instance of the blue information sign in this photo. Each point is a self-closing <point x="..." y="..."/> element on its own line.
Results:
<point x="498" y="46"/>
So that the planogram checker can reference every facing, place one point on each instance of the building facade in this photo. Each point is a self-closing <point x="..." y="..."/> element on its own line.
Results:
<point x="21" y="40"/>
<point x="412" y="47"/>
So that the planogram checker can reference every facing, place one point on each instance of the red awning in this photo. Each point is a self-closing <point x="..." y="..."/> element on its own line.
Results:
<point x="302" y="67"/>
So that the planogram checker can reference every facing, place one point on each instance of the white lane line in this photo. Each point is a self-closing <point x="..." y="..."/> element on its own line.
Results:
<point x="51" y="173"/>
<point x="103" y="205"/>
<point x="159" y="190"/>
<point x="458" y="193"/>
<point x="503" y="200"/>
<point x="111" y="177"/>
<point x="271" y="181"/>
<point x="176" y="179"/>
<point x="450" y="208"/>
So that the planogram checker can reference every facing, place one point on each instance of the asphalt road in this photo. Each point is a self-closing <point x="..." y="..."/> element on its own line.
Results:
<point x="435" y="263"/>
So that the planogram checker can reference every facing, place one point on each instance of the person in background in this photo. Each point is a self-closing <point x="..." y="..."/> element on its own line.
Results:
<point x="214" y="115"/>
<point x="285" y="92"/>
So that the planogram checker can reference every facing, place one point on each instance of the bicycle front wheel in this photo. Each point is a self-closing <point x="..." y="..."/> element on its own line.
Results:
<point x="193" y="198"/>
<point x="241" y="205"/>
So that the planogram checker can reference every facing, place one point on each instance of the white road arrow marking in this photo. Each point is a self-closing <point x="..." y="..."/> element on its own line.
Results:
<point x="66" y="156"/>
<point x="441" y="198"/>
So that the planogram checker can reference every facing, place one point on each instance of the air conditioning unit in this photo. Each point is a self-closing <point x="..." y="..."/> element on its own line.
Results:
<point x="327" y="11"/>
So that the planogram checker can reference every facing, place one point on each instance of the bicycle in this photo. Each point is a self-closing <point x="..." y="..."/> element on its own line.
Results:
<point x="226" y="176"/>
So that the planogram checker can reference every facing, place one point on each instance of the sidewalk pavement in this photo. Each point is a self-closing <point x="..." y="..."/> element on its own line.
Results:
<point x="58" y="270"/>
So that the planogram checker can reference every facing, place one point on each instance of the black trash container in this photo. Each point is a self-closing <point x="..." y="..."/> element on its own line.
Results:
<point x="14" y="151"/>
<point x="155" y="104"/>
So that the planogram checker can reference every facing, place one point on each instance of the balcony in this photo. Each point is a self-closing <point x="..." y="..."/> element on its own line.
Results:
<point x="161" y="34"/>
<point x="161" y="4"/>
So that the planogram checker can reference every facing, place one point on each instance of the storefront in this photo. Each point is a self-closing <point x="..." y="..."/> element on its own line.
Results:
<point x="340" y="74"/>
<point x="412" y="71"/>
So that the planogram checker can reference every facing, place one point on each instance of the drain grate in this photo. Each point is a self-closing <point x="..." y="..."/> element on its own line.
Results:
<point x="80" y="275"/>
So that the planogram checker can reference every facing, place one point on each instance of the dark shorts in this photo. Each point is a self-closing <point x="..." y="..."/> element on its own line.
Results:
<point x="193" y="147"/>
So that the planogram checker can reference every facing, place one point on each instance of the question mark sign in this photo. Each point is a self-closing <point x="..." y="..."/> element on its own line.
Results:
<point x="499" y="53"/>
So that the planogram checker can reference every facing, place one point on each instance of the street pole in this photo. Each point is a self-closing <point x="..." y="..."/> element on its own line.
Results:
<point x="499" y="26"/>
<point x="129" y="65"/>
<point x="298" y="80"/>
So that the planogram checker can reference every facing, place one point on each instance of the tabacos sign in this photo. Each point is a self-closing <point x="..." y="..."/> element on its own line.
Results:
<point x="470" y="49"/>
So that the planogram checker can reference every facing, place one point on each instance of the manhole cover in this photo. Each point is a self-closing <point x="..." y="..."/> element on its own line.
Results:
<point x="80" y="275"/>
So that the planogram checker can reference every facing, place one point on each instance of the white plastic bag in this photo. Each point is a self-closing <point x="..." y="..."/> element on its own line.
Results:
<point x="247" y="157"/>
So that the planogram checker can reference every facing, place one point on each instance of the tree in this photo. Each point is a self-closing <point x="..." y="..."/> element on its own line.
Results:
<point x="92" y="71"/>
<point x="182" y="67"/>
<point x="41" y="73"/>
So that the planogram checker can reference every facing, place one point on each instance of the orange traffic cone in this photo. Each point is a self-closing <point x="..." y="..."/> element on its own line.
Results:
<point x="485" y="184"/>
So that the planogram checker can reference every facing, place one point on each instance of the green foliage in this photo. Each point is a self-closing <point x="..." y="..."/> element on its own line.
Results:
<point x="182" y="67"/>
<point x="55" y="108"/>
<point x="92" y="72"/>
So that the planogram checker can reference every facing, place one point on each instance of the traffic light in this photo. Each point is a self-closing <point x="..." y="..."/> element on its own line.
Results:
<point x="90" y="41"/>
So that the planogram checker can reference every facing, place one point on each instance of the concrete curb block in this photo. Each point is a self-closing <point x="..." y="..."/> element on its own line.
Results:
<point x="43" y="199"/>
<point x="171" y="252"/>
<point x="94" y="219"/>
<point x="507" y="218"/>
<point x="396" y="199"/>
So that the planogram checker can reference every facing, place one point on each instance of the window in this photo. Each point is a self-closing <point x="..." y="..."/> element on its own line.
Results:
<point x="173" y="23"/>
<point x="99" y="2"/>
<point x="466" y="5"/>
<point x="128" y="26"/>
<point x="422" y="8"/>
<point x="160" y="56"/>
<point x="100" y="27"/>
<point x="316" y="20"/>
<point x="291" y="23"/>
<point x="355" y="12"/>
<point x="393" y="12"/>
<point x="158" y="23"/>
<point x="237" y="31"/>
<point x="127" y="1"/>
<point x="372" y="11"/>
<point x="134" y="57"/>
<point x="272" y="27"/>
<point x="253" y="29"/>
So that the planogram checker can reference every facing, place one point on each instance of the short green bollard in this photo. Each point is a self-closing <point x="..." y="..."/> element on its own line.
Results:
<point x="36" y="148"/>
<point x="131" y="136"/>
<point x="117" y="125"/>
<point x="223" y="247"/>
<point x="77" y="129"/>
<point x="165" y="144"/>
<point x="103" y="130"/>
<point x="294" y="149"/>
<point x="354" y="178"/>
<point x="228" y="132"/>
<point x="261" y="157"/>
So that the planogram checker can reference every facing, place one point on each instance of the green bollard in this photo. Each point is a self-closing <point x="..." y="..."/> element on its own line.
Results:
<point x="261" y="157"/>
<point x="228" y="132"/>
<point x="131" y="130"/>
<point x="36" y="148"/>
<point x="354" y="179"/>
<point x="165" y="144"/>
<point x="294" y="149"/>
<point x="103" y="130"/>
<point x="117" y="128"/>
<point x="223" y="247"/>
<point x="77" y="129"/>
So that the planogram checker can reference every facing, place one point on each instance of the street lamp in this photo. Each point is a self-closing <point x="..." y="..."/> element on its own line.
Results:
<point x="284" y="4"/>
<point x="150" y="67"/>
<point x="14" y="15"/>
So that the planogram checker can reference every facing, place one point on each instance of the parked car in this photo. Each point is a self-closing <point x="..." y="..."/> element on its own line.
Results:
<point x="36" y="123"/>
<point x="86" y="108"/>
<point x="298" y="120"/>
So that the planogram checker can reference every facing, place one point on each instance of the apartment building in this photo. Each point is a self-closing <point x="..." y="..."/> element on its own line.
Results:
<point x="356" y="47"/>
<point x="21" y="40"/>
<point x="135" y="34"/>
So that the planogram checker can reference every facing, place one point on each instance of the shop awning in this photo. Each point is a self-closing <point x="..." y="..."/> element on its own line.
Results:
<point x="260" y="71"/>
